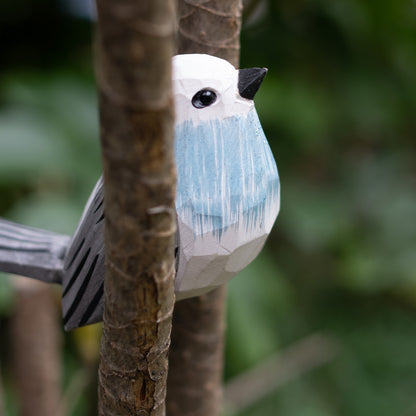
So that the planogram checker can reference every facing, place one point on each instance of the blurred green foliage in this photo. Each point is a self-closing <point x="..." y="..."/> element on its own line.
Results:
<point x="338" y="109"/>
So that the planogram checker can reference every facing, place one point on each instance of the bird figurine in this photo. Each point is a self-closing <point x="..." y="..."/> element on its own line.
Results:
<point x="228" y="197"/>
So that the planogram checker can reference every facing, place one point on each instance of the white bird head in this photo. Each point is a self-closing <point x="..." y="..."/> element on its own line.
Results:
<point x="227" y="91"/>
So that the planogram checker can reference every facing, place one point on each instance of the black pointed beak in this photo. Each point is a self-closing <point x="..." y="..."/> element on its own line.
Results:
<point x="249" y="81"/>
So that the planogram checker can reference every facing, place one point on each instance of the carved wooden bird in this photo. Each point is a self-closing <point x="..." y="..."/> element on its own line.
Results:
<point x="228" y="197"/>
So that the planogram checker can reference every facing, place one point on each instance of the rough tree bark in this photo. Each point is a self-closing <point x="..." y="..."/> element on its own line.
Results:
<point x="212" y="27"/>
<point x="196" y="357"/>
<point x="36" y="338"/>
<point x="135" y="45"/>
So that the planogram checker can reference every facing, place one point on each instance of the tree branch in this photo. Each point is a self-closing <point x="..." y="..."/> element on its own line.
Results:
<point x="211" y="27"/>
<point x="35" y="337"/>
<point x="135" y="46"/>
<point x="196" y="357"/>
<point x="302" y="356"/>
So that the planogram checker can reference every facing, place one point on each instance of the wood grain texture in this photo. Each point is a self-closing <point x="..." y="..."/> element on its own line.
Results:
<point x="197" y="352"/>
<point x="134" y="50"/>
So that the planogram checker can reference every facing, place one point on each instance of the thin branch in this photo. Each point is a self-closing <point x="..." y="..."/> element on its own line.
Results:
<point x="299" y="358"/>
<point x="136" y="118"/>
<point x="197" y="353"/>
<point x="211" y="27"/>
<point x="35" y="337"/>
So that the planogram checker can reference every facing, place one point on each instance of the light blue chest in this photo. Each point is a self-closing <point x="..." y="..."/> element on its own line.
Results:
<point x="226" y="173"/>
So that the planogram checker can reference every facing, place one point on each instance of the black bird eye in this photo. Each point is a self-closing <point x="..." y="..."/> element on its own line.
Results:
<point x="204" y="98"/>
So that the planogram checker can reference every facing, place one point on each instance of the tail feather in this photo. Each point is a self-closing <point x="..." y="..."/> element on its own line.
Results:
<point x="32" y="252"/>
<point x="77" y="263"/>
<point x="83" y="280"/>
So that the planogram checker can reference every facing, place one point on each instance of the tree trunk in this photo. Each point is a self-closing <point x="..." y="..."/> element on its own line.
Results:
<point x="196" y="357"/>
<point x="35" y="338"/>
<point x="135" y="46"/>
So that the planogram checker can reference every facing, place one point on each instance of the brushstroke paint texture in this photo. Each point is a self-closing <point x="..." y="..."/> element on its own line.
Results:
<point x="228" y="198"/>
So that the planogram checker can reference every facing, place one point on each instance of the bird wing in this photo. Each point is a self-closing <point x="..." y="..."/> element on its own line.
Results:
<point x="77" y="264"/>
<point x="83" y="280"/>
<point x="32" y="252"/>
<point x="84" y="268"/>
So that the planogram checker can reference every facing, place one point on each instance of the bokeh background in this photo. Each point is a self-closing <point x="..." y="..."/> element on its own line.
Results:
<point x="323" y="323"/>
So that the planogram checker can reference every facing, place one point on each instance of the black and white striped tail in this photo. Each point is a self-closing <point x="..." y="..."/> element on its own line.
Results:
<point x="77" y="263"/>
<point x="83" y="277"/>
<point x="32" y="252"/>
